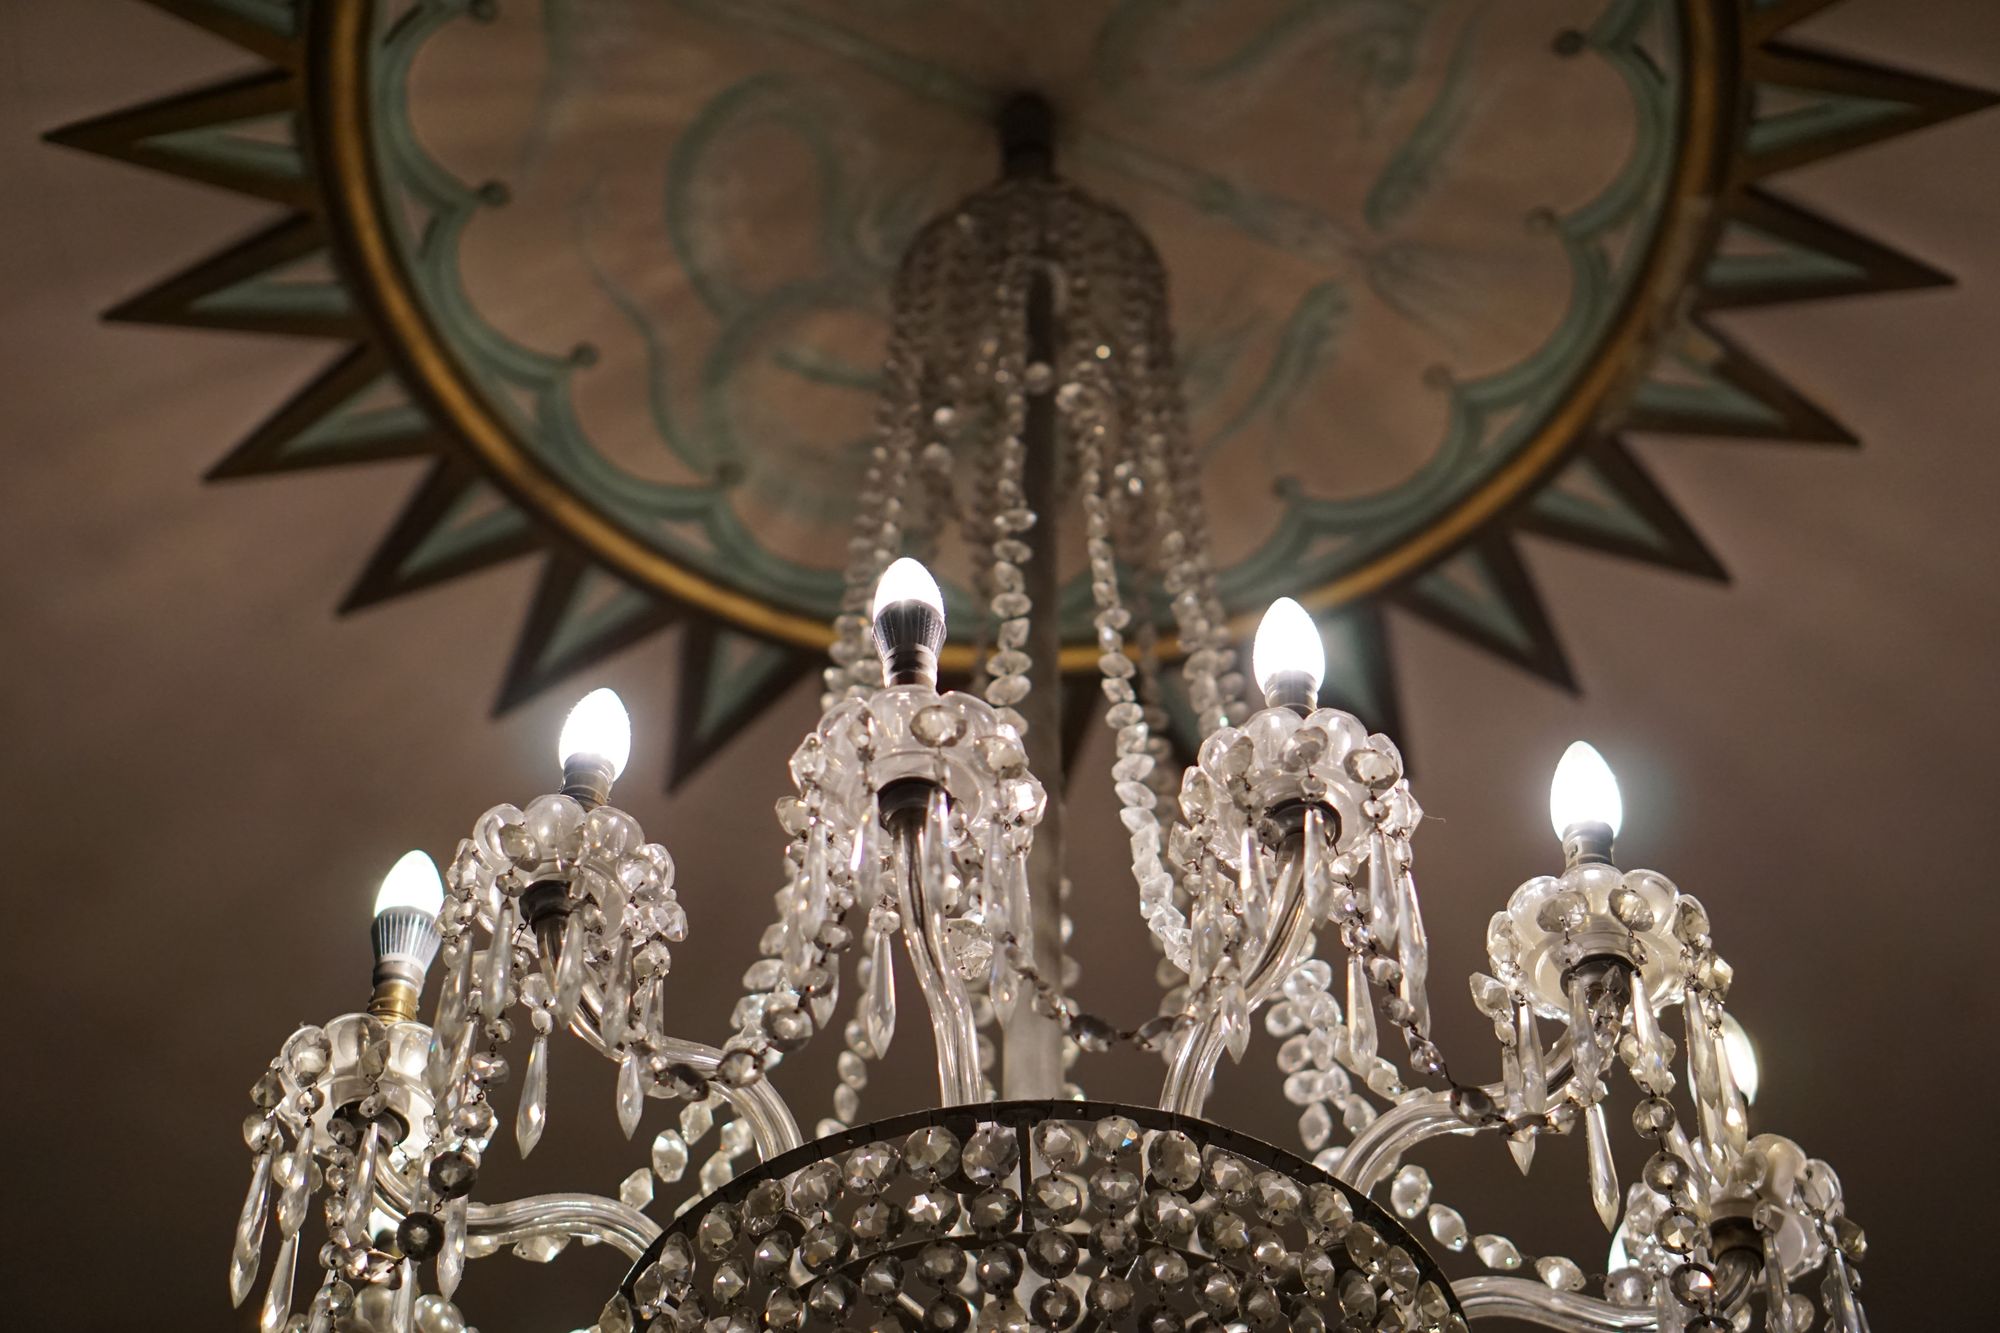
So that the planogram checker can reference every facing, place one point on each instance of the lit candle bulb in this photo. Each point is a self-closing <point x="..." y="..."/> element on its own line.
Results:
<point x="405" y="935"/>
<point x="1287" y="657"/>
<point x="909" y="623"/>
<point x="595" y="744"/>
<point x="1584" y="806"/>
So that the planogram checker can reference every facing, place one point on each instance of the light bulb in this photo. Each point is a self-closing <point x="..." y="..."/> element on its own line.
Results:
<point x="1584" y="791"/>
<point x="909" y="624"/>
<point x="412" y="882"/>
<point x="1288" y="644"/>
<point x="405" y="935"/>
<point x="598" y="728"/>
<point x="906" y="580"/>
<point x="1741" y="1056"/>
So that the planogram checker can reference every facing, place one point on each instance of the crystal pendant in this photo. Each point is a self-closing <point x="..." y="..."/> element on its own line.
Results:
<point x="1603" y="1173"/>
<point x="631" y="1096"/>
<point x="1585" y="1053"/>
<point x="569" y="971"/>
<point x="1650" y="1068"/>
<point x="403" y="1301"/>
<point x="248" y="1251"/>
<point x="1381" y="889"/>
<point x="878" y="1002"/>
<point x="361" y="1190"/>
<point x="618" y="992"/>
<point x="1360" y="1017"/>
<point x="1534" y="1081"/>
<point x="533" y="1115"/>
<point x="1254" y="886"/>
<point x="1413" y="952"/>
<point x="293" y="1173"/>
<point x="278" y="1296"/>
<point x="451" y="1253"/>
<point x="499" y="975"/>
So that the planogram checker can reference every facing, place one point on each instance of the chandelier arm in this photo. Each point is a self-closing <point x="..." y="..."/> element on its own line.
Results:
<point x="1373" y="1153"/>
<point x="1191" y="1072"/>
<point x="773" y="1128"/>
<point x="1535" y="1303"/>
<point x="944" y="993"/>
<point x="577" y="1215"/>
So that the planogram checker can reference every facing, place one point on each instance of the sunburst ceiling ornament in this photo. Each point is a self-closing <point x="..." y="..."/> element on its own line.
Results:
<point x="620" y="270"/>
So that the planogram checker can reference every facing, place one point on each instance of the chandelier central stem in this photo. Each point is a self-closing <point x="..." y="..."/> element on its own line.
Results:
<point x="1032" y="1045"/>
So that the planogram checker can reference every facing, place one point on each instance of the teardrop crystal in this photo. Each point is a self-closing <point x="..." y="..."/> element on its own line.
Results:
<point x="533" y="1115"/>
<point x="278" y="1296"/>
<point x="248" y="1250"/>
<point x="1603" y="1174"/>
<point x="631" y="1097"/>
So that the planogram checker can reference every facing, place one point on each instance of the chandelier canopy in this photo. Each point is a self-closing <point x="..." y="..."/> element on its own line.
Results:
<point x="1031" y="364"/>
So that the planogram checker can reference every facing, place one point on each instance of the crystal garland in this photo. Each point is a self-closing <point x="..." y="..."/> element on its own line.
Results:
<point x="913" y="817"/>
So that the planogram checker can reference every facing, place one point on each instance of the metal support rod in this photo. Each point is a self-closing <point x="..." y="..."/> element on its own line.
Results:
<point x="1032" y="1058"/>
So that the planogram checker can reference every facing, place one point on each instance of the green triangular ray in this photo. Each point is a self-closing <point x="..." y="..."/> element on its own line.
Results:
<point x="1807" y="105"/>
<point x="207" y="135"/>
<point x="1818" y="116"/>
<point x="1604" y="500"/>
<point x="226" y="147"/>
<point x="280" y="280"/>
<point x="580" y="616"/>
<point x="1699" y="392"/>
<point x="298" y="288"/>
<point x="1772" y="250"/>
<point x="1483" y="594"/>
<point x="457" y="522"/>
<point x="727" y="678"/>
<point x="356" y="411"/>
<point x="1706" y="385"/>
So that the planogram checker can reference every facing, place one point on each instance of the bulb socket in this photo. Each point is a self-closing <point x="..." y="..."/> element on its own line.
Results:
<point x="1296" y="690"/>
<point x="587" y="780"/>
<point x="406" y="942"/>
<point x="908" y="636"/>
<point x="1588" y="843"/>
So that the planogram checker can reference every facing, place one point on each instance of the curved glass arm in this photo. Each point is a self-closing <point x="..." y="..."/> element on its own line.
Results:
<point x="1374" y="1152"/>
<point x="944" y="993"/>
<point x="772" y="1126"/>
<point x="1532" y="1302"/>
<point x="1198" y="1049"/>
<point x="616" y="1223"/>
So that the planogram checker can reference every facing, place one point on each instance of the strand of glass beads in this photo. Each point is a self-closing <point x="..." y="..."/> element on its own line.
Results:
<point x="877" y="538"/>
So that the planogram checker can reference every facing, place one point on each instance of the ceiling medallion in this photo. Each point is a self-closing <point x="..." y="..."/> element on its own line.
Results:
<point x="630" y="294"/>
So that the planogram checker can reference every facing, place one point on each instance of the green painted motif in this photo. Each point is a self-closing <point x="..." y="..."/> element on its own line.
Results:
<point x="743" y="335"/>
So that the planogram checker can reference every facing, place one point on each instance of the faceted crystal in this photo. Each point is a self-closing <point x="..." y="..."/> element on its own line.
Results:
<point x="1560" y="1273"/>
<point x="533" y="1115"/>
<point x="1410" y="1191"/>
<point x="1496" y="1252"/>
<point x="1447" y="1227"/>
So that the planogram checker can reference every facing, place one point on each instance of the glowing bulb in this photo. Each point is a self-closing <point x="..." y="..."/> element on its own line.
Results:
<point x="1741" y="1055"/>
<point x="906" y="581"/>
<point x="1584" y="791"/>
<point x="598" y="727"/>
<point x="1287" y="642"/>
<point x="412" y="882"/>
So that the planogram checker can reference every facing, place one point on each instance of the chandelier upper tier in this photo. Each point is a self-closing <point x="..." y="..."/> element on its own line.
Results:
<point x="1031" y="364"/>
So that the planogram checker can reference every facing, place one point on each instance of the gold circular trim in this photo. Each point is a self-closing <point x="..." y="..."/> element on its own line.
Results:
<point x="358" y="214"/>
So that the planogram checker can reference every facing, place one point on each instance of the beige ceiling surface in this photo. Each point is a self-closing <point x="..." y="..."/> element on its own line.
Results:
<point x="206" y="773"/>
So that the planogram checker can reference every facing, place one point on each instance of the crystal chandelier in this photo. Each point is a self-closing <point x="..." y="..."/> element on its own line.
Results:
<point x="1030" y="361"/>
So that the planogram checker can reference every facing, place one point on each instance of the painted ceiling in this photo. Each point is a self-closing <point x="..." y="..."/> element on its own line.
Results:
<point x="621" y="268"/>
